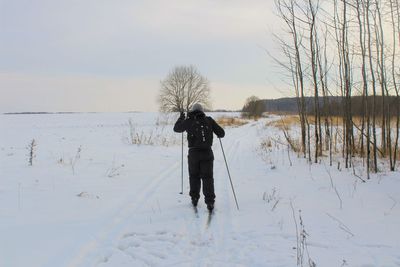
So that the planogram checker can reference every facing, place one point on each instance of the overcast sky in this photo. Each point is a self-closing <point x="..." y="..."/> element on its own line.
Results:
<point x="110" y="55"/>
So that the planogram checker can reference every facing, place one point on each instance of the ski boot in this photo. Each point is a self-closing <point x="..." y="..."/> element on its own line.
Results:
<point x="195" y="201"/>
<point x="210" y="207"/>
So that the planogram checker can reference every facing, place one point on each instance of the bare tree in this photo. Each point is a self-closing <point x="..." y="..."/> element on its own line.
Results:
<point x="373" y="82"/>
<point x="360" y="10"/>
<point x="287" y="11"/>
<point x="311" y="13"/>
<point x="361" y="38"/>
<point x="254" y="107"/>
<point x="183" y="87"/>
<point x="395" y="23"/>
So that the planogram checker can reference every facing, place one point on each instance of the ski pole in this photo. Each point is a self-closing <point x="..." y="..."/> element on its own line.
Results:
<point x="182" y="169"/>
<point x="229" y="174"/>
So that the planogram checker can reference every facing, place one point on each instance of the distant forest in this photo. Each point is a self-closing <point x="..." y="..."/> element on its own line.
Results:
<point x="332" y="105"/>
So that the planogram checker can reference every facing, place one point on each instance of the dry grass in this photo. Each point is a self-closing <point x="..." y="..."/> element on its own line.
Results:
<point x="336" y="120"/>
<point x="357" y="120"/>
<point x="285" y="122"/>
<point x="231" y="121"/>
<point x="265" y="144"/>
<point x="293" y="120"/>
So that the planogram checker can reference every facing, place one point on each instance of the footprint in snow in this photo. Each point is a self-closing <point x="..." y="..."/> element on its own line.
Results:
<point x="150" y="249"/>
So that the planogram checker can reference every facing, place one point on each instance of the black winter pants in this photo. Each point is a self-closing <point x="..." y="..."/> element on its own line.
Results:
<point x="201" y="164"/>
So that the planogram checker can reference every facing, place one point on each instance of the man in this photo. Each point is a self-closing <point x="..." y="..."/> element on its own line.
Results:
<point x="200" y="130"/>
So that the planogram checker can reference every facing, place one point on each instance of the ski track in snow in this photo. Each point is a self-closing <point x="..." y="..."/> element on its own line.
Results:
<point x="127" y="210"/>
<point x="150" y="224"/>
<point x="202" y="245"/>
<point x="195" y="244"/>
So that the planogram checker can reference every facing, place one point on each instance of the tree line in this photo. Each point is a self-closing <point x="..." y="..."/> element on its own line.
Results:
<point x="346" y="49"/>
<point x="289" y="105"/>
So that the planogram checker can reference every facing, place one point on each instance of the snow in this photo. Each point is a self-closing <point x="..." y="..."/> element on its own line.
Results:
<point x="92" y="198"/>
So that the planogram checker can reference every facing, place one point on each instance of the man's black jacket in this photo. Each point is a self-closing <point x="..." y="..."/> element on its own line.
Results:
<point x="183" y="124"/>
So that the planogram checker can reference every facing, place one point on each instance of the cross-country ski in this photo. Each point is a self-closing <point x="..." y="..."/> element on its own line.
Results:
<point x="196" y="212"/>
<point x="209" y="217"/>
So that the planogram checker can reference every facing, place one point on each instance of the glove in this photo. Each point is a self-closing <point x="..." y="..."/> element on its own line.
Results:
<point x="182" y="117"/>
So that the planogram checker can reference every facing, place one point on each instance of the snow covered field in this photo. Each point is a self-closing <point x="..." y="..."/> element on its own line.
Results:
<point x="92" y="198"/>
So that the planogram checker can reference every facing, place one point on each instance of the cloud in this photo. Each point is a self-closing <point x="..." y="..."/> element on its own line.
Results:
<point x="25" y="92"/>
<point x="204" y="20"/>
<point x="95" y="26"/>
<point x="232" y="96"/>
<point x="81" y="52"/>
